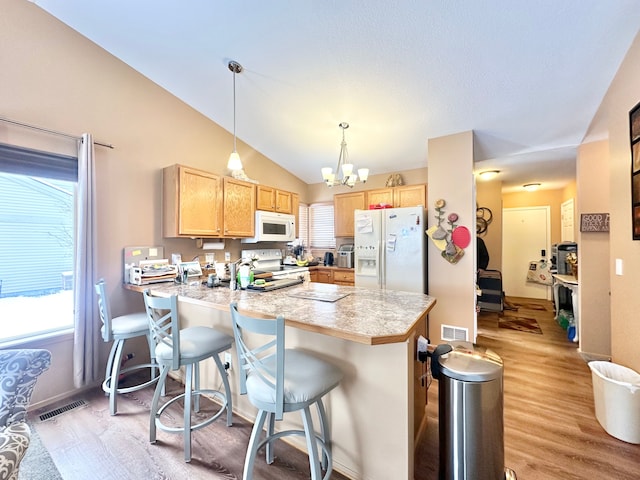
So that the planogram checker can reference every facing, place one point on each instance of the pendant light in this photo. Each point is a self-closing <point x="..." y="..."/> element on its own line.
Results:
<point x="344" y="168"/>
<point x="234" y="163"/>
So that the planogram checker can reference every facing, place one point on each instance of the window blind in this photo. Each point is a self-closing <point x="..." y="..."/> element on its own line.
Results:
<point x="321" y="226"/>
<point x="36" y="163"/>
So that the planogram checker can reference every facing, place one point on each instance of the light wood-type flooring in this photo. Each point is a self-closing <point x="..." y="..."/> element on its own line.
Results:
<point x="551" y="432"/>
<point x="550" y="427"/>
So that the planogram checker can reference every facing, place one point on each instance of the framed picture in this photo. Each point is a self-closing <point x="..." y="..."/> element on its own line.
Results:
<point x="634" y="138"/>
<point x="634" y="123"/>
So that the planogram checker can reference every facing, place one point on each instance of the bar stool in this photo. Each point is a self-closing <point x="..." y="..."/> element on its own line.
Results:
<point x="176" y="347"/>
<point x="279" y="380"/>
<point x="118" y="330"/>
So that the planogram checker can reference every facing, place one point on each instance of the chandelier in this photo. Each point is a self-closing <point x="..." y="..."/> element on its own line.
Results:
<point x="344" y="168"/>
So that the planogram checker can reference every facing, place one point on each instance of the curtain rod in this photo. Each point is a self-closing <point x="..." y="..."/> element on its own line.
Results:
<point x="52" y="132"/>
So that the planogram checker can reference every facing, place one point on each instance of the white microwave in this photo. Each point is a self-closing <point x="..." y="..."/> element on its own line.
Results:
<point x="273" y="227"/>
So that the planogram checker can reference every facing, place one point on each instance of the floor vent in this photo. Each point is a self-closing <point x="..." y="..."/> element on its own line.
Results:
<point x="454" y="333"/>
<point x="54" y="413"/>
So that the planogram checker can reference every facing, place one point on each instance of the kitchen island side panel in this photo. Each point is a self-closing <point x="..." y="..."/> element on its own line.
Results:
<point x="371" y="412"/>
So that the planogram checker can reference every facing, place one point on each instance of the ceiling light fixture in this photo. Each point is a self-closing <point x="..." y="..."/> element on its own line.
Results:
<point x="531" y="187"/>
<point x="489" y="174"/>
<point x="349" y="178"/>
<point x="234" y="164"/>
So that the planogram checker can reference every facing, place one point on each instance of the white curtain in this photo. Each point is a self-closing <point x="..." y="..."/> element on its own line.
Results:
<point x="87" y="327"/>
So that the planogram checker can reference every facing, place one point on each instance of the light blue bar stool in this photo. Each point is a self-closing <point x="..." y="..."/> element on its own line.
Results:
<point x="279" y="380"/>
<point x="118" y="330"/>
<point x="176" y="347"/>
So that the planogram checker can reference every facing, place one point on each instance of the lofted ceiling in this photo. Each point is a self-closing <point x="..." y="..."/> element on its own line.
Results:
<point x="526" y="76"/>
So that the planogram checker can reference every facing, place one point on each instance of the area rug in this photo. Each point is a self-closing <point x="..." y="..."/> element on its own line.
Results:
<point x="37" y="464"/>
<point x="528" y="305"/>
<point x="521" y="324"/>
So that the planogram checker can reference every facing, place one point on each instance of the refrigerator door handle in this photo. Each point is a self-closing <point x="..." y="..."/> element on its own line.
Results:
<point x="380" y="265"/>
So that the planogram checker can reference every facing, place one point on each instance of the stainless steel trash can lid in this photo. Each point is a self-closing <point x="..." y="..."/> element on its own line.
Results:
<point x="471" y="364"/>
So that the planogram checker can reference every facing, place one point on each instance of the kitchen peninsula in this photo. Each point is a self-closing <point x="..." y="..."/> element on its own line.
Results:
<point x="378" y="411"/>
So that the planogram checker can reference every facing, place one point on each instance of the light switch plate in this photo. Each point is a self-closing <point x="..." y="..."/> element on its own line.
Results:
<point x="227" y="256"/>
<point x="618" y="266"/>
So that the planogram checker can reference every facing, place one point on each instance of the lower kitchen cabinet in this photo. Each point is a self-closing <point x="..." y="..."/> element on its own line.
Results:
<point x="334" y="275"/>
<point x="344" y="277"/>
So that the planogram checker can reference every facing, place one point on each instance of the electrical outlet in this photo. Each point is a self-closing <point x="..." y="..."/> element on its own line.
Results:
<point x="227" y="359"/>
<point x="227" y="256"/>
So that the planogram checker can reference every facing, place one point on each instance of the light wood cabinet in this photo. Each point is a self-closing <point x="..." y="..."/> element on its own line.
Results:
<point x="337" y="276"/>
<point x="323" y="275"/>
<point x="344" y="206"/>
<point x="410" y="196"/>
<point x="344" y="277"/>
<point x="238" y="208"/>
<point x="380" y="195"/>
<point x="191" y="202"/>
<point x="273" y="200"/>
<point x="404" y="196"/>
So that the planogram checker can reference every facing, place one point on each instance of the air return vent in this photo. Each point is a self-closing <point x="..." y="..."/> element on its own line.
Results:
<point x="447" y="332"/>
<point x="54" y="413"/>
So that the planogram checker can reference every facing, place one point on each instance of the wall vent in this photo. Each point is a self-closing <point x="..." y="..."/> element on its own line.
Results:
<point x="54" y="413"/>
<point x="447" y="332"/>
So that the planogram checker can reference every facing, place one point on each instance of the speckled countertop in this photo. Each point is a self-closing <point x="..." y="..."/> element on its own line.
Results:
<point x="362" y="315"/>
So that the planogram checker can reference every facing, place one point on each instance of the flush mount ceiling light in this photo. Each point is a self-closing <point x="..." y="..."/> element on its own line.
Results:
<point x="234" y="164"/>
<point x="531" y="187"/>
<point x="489" y="174"/>
<point x="344" y="168"/>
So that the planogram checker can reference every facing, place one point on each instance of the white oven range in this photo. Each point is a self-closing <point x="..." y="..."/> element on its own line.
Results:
<point x="270" y="260"/>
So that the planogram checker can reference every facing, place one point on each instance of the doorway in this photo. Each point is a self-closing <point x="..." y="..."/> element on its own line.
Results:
<point x="525" y="233"/>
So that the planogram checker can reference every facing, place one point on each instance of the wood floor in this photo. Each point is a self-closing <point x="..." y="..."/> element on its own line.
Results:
<point x="550" y="427"/>
<point x="549" y="422"/>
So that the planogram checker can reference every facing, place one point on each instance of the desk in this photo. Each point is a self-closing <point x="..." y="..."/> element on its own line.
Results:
<point x="570" y="282"/>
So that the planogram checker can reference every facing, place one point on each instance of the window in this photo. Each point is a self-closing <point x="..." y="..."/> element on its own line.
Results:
<point x="36" y="242"/>
<point x="321" y="234"/>
<point x="303" y="224"/>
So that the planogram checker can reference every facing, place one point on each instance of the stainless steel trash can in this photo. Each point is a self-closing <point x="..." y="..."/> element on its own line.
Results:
<point x="470" y="402"/>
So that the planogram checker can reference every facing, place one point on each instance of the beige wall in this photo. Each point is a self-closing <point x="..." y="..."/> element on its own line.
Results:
<point x="453" y="285"/>
<point x="613" y="116"/>
<point x="593" y="252"/>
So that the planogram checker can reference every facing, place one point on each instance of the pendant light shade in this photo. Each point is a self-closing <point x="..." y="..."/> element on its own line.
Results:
<point x="234" y="164"/>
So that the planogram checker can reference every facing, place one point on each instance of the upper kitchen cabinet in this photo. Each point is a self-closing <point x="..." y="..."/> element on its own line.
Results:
<point x="191" y="203"/>
<point x="404" y="196"/>
<point x="238" y="208"/>
<point x="344" y="206"/>
<point x="273" y="200"/>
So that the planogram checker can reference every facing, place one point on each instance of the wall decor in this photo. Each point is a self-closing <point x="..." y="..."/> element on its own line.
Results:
<point x="450" y="241"/>
<point x="594" y="222"/>
<point x="634" y="136"/>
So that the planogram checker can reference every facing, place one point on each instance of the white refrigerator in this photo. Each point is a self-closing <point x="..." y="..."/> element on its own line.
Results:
<point x="390" y="249"/>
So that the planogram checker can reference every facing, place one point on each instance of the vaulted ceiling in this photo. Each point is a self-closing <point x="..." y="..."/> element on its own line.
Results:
<point x="526" y="76"/>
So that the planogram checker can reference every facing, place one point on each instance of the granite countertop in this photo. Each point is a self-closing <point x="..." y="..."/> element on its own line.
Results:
<point x="363" y="315"/>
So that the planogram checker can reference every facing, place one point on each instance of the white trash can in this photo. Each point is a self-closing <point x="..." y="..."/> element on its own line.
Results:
<point x="616" y="394"/>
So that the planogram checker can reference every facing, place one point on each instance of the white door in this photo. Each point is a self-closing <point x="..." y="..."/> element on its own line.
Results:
<point x="566" y="217"/>
<point x="525" y="233"/>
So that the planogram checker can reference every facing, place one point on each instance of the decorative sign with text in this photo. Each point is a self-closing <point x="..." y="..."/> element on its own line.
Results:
<point x="594" y="222"/>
